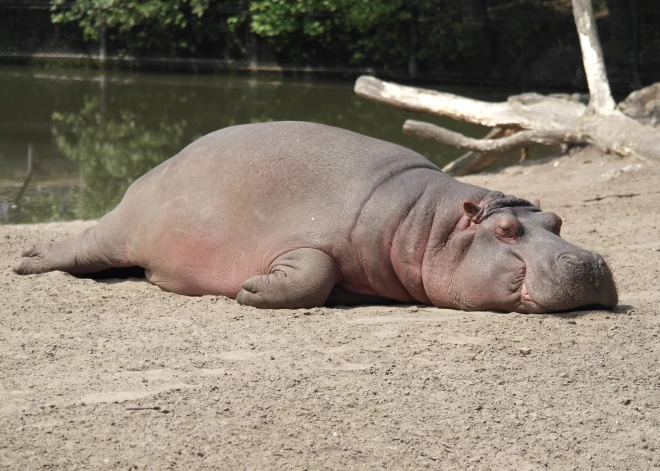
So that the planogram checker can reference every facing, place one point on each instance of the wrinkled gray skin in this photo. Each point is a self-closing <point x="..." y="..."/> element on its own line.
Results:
<point x="296" y="215"/>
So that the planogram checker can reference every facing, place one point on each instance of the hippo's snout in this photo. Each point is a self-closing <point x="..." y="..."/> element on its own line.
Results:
<point x="573" y="279"/>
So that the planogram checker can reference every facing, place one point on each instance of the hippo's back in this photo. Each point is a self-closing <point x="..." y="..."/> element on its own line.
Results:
<point x="239" y="197"/>
<point x="287" y="155"/>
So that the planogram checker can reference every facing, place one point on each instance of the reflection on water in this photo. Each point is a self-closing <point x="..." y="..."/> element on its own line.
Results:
<point x="111" y="151"/>
<point x="92" y="134"/>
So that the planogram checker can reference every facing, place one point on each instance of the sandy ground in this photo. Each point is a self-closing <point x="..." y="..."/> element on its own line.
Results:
<point x="117" y="374"/>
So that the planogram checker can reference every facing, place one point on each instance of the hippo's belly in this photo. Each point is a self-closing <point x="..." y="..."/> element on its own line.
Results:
<point x="202" y="249"/>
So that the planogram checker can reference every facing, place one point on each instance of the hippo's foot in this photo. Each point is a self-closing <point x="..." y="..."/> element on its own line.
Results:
<point x="302" y="278"/>
<point x="89" y="252"/>
<point x="35" y="260"/>
<point x="58" y="256"/>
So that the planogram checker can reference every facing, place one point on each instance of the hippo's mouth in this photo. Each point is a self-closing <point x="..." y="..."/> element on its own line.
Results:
<point x="524" y="294"/>
<point x="528" y="302"/>
<point x="522" y="298"/>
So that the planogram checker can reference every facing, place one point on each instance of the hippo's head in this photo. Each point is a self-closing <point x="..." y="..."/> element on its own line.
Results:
<point x="508" y="256"/>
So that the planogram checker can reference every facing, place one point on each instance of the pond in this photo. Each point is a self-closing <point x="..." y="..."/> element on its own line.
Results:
<point x="72" y="141"/>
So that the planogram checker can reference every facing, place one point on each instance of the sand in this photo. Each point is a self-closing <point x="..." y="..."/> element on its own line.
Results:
<point x="117" y="374"/>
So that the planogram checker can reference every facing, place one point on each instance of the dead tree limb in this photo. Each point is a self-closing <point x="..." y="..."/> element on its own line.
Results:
<point x="473" y="161"/>
<point x="540" y="119"/>
<point x="516" y="141"/>
<point x="519" y="111"/>
<point x="613" y="132"/>
<point x="490" y="149"/>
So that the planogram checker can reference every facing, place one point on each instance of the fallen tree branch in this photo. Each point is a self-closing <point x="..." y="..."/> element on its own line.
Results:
<point x="611" y="132"/>
<point x="516" y="141"/>
<point x="470" y="163"/>
<point x="486" y="150"/>
<point x="473" y="161"/>
<point x="520" y="111"/>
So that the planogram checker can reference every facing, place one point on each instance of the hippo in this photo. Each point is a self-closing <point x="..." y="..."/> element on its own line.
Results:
<point x="298" y="215"/>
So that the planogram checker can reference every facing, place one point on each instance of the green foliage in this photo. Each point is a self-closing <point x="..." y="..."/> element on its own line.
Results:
<point x="317" y="17"/>
<point x="328" y="32"/>
<point x="445" y="37"/>
<point x="371" y="31"/>
<point x="145" y="22"/>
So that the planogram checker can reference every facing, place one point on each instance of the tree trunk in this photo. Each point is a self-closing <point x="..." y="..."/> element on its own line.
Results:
<point x="592" y="57"/>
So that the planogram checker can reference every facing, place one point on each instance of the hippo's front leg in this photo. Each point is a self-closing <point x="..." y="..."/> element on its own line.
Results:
<point x="302" y="278"/>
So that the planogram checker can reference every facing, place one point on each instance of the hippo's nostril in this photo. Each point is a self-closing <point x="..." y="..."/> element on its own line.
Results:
<point x="570" y="258"/>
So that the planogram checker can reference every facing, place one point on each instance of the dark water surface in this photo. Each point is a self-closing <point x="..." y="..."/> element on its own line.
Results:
<point x="72" y="141"/>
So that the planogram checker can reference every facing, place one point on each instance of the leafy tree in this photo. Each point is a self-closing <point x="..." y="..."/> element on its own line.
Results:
<point x="371" y="31"/>
<point x="141" y="23"/>
<point x="316" y="17"/>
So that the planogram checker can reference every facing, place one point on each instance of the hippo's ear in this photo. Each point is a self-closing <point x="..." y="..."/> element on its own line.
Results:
<point x="470" y="209"/>
<point x="537" y="203"/>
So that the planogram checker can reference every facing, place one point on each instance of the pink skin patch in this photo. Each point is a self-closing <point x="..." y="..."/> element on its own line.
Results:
<point x="524" y="294"/>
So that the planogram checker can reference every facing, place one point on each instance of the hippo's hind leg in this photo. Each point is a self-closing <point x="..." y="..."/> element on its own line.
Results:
<point x="95" y="249"/>
<point x="302" y="278"/>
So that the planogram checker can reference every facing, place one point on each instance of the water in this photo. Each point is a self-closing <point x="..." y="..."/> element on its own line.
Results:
<point x="72" y="141"/>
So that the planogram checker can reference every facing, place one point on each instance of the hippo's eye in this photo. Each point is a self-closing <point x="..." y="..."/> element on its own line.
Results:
<point x="508" y="229"/>
<point x="505" y="232"/>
